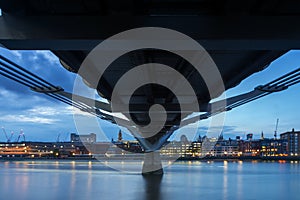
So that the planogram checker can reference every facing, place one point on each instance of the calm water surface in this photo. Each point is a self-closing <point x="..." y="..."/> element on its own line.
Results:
<point x="65" y="180"/>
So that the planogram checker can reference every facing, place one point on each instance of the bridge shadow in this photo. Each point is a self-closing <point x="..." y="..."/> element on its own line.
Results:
<point x="152" y="184"/>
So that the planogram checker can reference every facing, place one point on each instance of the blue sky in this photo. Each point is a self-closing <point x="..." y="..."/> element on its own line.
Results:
<point x="44" y="119"/>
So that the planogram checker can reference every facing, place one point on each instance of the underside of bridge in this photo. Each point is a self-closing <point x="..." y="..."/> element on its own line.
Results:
<point x="242" y="37"/>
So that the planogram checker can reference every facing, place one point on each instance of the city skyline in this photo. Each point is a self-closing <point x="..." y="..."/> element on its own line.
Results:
<point x="44" y="119"/>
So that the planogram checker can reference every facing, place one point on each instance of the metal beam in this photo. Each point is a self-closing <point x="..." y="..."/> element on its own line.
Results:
<point x="213" y="32"/>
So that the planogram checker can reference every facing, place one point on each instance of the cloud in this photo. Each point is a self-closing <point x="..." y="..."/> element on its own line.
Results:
<point x="46" y="111"/>
<point x="17" y="54"/>
<point x="76" y="111"/>
<point x="42" y="114"/>
<point x="47" y="55"/>
<point x="14" y="101"/>
<point x="31" y="109"/>
<point x="7" y="94"/>
<point x="30" y="119"/>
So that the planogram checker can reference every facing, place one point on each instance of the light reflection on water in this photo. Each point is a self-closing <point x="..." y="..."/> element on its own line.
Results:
<point x="183" y="180"/>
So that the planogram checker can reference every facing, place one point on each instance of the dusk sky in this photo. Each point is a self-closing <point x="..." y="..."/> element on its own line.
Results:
<point x="43" y="118"/>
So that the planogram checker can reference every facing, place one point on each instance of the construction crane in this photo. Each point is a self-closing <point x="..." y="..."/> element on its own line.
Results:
<point x="276" y="127"/>
<point x="3" y="129"/>
<point x="58" y="137"/>
<point x="8" y="139"/>
<point x="21" y="135"/>
<point x="66" y="137"/>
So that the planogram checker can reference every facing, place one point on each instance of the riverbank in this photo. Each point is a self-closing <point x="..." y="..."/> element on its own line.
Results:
<point x="140" y="157"/>
<point x="245" y="158"/>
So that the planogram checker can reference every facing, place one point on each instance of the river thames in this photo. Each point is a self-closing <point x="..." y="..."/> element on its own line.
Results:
<point x="182" y="180"/>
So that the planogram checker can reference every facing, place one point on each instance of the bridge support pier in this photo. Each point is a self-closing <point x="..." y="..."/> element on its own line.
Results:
<point x="152" y="164"/>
